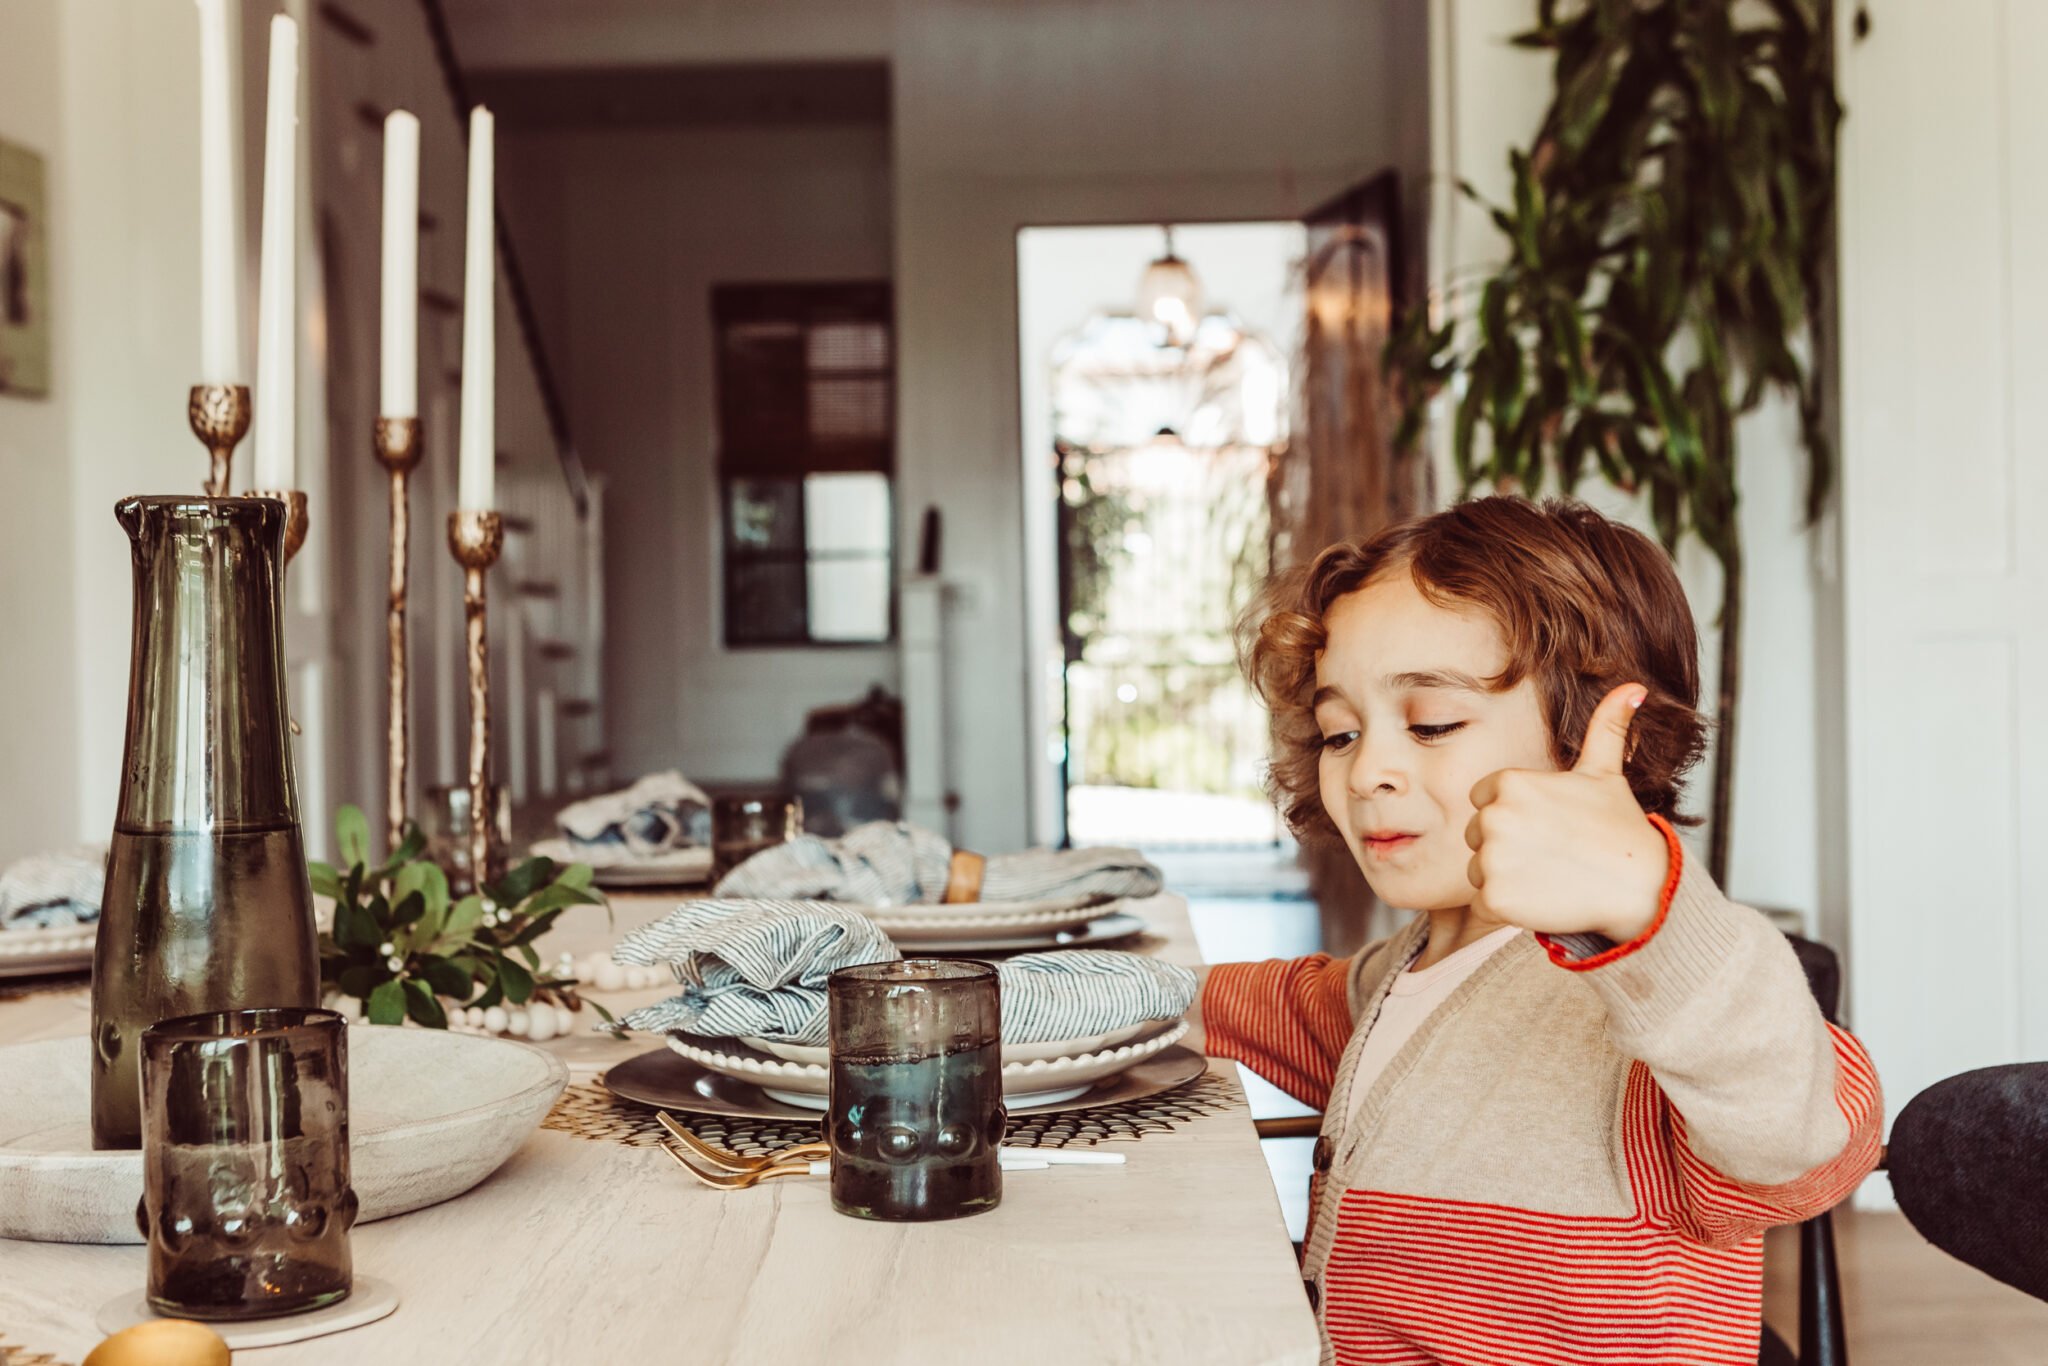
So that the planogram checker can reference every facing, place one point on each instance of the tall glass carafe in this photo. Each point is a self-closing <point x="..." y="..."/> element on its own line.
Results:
<point x="207" y="905"/>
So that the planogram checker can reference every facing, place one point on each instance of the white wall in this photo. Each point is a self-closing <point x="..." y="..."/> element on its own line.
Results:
<point x="1489" y="97"/>
<point x="39" y="682"/>
<point x="1945" y="535"/>
<point x="109" y="91"/>
<point x="626" y="234"/>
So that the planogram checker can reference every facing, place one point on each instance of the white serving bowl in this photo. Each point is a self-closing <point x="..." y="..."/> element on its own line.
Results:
<point x="430" y="1114"/>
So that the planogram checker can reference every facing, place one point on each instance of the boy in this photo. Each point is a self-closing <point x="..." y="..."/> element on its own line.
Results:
<point x="1561" y="1107"/>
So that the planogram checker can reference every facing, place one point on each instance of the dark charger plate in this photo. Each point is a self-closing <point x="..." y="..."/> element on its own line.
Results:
<point x="669" y="1081"/>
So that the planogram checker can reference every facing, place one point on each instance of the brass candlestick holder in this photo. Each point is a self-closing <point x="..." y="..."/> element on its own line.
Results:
<point x="219" y="414"/>
<point x="295" y="518"/>
<point x="476" y="537"/>
<point x="399" y="451"/>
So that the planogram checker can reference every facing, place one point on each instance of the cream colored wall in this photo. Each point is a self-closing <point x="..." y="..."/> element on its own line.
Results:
<point x="39" y="678"/>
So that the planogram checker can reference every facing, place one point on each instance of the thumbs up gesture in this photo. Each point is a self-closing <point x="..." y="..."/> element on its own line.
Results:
<point x="1570" y="852"/>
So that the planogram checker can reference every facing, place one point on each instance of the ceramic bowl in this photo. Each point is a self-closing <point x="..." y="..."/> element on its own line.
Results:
<point x="430" y="1115"/>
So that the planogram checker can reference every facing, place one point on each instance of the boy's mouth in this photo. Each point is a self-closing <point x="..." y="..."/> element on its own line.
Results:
<point x="1386" y="843"/>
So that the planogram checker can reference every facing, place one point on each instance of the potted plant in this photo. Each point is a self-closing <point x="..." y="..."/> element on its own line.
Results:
<point x="1667" y="240"/>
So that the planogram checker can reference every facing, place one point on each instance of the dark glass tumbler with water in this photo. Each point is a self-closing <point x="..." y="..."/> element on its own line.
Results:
<point x="246" y="1202"/>
<point x="916" y="1114"/>
<point x="744" y="824"/>
<point x="207" y="905"/>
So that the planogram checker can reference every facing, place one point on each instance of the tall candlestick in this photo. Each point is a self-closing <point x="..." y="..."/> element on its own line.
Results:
<point x="277" y="280"/>
<point x="220" y="194"/>
<point x="400" y="390"/>
<point x="476" y="484"/>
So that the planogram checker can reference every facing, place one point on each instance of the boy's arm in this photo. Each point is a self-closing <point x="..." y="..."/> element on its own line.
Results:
<point x="1771" y="1115"/>
<point x="1287" y="1019"/>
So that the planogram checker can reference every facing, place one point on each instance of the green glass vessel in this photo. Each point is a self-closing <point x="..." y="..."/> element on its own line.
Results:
<point x="207" y="905"/>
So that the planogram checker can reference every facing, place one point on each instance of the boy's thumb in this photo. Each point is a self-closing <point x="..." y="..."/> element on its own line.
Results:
<point x="1606" y="747"/>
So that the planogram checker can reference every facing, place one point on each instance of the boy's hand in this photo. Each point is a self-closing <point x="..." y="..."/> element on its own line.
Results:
<point x="1570" y="852"/>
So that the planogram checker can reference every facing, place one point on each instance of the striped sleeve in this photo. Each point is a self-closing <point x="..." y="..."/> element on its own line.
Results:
<point x="1748" y="1109"/>
<point x="1721" y="1211"/>
<point x="1287" y="1019"/>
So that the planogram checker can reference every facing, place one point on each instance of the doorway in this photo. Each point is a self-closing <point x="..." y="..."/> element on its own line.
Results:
<point x="1155" y="379"/>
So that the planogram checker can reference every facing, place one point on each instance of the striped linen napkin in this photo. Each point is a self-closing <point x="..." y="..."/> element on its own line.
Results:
<point x="884" y="863"/>
<point x="53" y="889"/>
<point x="757" y="969"/>
<point x="660" y="812"/>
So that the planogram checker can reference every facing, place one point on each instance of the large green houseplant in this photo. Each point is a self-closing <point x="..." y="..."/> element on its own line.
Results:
<point x="1667" y="240"/>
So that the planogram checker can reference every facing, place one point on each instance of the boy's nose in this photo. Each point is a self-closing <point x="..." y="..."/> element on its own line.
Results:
<point x="1373" y="771"/>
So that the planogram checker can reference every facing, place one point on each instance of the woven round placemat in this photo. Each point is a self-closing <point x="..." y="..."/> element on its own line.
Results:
<point x="588" y="1110"/>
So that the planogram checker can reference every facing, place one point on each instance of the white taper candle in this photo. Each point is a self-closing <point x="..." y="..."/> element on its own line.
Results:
<point x="476" y="485"/>
<point x="220" y="194"/>
<point x="276" y="403"/>
<point x="399" y="394"/>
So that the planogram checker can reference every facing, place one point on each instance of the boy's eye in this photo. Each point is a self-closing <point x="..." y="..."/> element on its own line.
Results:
<point x="1429" y="733"/>
<point x="1339" y="742"/>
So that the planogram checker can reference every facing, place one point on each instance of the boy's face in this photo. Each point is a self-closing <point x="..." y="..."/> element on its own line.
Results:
<point x="1408" y="729"/>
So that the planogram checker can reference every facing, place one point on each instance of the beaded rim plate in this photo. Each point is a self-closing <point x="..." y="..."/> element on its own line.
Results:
<point x="621" y="868"/>
<point x="818" y="1055"/>
<point x="1028" y="1081"/>
<point x="668" y="1081"/>
<point x="52" y="948"/>
<point x="914" y="923"/>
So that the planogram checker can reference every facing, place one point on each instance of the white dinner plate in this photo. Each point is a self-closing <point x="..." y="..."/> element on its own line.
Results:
<point x="54" y="948"/>
<point x="1041" y="1081"/>
<point x="917" y="922"/>
<point x="623" y="868"/>
<point x="430" y="1114"/>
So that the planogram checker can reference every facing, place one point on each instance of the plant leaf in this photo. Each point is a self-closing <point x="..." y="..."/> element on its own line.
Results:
<point x="421" y="1005"/>
<point x="517" y="885"/>
<point x="352" y="834"/>
<point x="517" y="982"/>
<point x="464" y="917"/>
<point x="387" y="1003"/>
<point x="447" y="977"/>
<point x="326" y="881"/>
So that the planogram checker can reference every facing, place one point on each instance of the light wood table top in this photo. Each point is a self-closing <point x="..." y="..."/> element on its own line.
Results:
<point x="585" y="1251"/>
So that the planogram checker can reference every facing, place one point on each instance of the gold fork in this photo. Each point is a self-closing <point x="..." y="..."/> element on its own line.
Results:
<point x="733" y="1162"/>
<point x="736" y="1181"/>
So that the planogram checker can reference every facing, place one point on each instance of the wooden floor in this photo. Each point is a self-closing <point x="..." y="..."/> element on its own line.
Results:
<point x="1909" y="1304"/>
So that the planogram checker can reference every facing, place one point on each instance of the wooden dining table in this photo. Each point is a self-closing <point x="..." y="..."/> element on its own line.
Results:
<point x="590" y="1251"/>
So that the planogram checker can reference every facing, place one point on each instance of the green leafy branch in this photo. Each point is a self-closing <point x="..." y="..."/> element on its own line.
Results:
<point x="400" y="942"/>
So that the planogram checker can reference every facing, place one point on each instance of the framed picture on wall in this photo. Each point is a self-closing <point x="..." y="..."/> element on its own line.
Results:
<point x="24" y="274"/>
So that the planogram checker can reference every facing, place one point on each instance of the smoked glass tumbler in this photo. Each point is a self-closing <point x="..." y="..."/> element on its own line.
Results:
<point x="246" y="1203"/>
<point x="915" y="1118"/>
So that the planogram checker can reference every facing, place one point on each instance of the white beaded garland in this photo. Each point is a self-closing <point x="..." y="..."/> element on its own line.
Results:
<point x="517" y="1023"/>
<point x="608" y="977"/>
<point x="540" y="1023"/>
<point x="495" y="1019"/>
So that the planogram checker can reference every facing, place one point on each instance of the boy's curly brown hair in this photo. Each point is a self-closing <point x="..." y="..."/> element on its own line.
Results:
<point x="1584" y="605"/>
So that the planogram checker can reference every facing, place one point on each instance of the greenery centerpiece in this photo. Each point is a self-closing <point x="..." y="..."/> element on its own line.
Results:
<point x="400" y="943"/>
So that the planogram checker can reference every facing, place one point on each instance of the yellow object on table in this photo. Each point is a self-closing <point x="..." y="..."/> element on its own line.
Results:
<point x="164" y="1342"/>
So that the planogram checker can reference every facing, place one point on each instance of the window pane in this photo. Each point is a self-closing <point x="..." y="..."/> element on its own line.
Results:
<point x="849" y="346"/>
<point x="849" y="599"/>
<point x="846" y="514"/>
<point x="849" y="409"/>
<point x="765" y="516"/>
<point x="764" y="602"/>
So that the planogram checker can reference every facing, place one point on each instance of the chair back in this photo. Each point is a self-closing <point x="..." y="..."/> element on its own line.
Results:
<point x="1969" y="1165"/>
